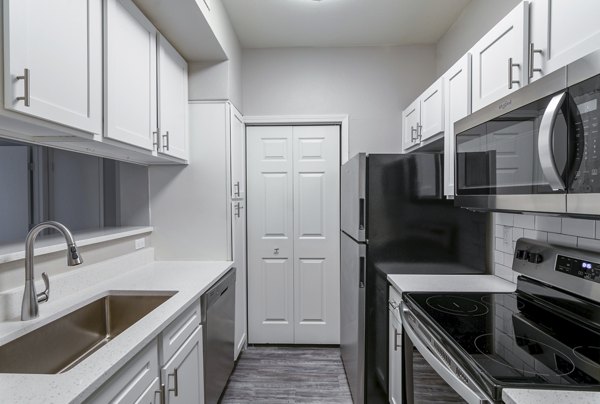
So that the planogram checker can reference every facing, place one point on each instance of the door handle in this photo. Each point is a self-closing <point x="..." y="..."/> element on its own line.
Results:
<point x="156" y="139"/>
<point x="361" y="273"/>
<point x="162" y="394"/>
<point x="166" y="141"/>
<point x="26" y="98"/>
<point x="236" y="188"/>
<point x="419" y="132"/>
<point x="511" y="65"/>
<point x="396" y="335"/>
<point x="238" y="209"/>
<point x="414" y="134"/>
<point x="175" y="389"/>
<point x="532" y="52"/>
<point x="276" y="251"/>
<point x="545" y="143"/>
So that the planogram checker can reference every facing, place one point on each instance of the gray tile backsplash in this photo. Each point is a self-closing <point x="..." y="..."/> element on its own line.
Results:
<point x="508" y="228"/>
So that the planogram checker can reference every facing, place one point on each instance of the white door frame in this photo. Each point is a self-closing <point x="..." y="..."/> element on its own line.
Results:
<point x="296" y="120"/>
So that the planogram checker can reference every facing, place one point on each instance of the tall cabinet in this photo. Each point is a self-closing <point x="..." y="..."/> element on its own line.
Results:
<point x="217" y="178"/>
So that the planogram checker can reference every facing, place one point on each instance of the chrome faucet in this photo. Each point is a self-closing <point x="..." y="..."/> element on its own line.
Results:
<point x="30" y="309"/>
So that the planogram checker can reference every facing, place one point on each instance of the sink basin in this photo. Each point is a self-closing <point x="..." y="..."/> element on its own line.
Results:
<point x="60" y="345"/>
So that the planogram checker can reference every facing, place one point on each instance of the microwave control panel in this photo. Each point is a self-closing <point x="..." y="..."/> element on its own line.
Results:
<point x="577" y="267"/>
<point x="586" y="96"/>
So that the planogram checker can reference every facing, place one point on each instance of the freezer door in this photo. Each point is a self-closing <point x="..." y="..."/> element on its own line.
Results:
<point x="353" y="197"/>
<point x="352" y="335"/>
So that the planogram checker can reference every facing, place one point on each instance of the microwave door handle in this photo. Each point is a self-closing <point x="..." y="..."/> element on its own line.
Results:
<point x="545" y="143"/>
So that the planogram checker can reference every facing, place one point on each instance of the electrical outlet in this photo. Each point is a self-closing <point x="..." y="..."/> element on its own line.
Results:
<point x="140" y="243"/>
<point x="507" y="235"/>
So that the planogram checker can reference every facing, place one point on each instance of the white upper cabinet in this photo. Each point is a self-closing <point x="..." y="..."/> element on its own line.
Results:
<point x="53" y="61"/>
<point x="238" y="154"/>
<point x="561" y="32"/>
<point x="457" y="102"/>
<point x="411" y="121"/>
<point x="172" y="101"/>
<point x="432" y="111"/>
<point x="130" y="75"/>
<point x="500" y="58"/>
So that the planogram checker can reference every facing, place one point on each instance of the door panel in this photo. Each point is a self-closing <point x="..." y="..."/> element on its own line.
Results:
<point x="432" y="111"/>
<point x="411" y="119"/>
<point x="239" y="258"/>
<point x="353" y="193"/>
<point x="270" y="235"/>
<point x="316" y="234"/>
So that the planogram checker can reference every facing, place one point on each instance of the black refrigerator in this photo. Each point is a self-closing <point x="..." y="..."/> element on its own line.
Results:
<point x="394" y="220"/>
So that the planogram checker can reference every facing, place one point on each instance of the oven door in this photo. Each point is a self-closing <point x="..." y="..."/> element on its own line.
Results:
<point x="520" y="160"/>
<point x="429" y="369"/>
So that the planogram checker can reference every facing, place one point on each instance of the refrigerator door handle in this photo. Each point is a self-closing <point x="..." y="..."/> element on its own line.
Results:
<point x="361" y="214"/>
<point x="361" y="275"/>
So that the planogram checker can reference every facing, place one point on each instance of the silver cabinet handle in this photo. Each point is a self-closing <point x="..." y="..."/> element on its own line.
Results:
<point x="419" y="131"/>
<point x="236" y="188"/>
<point x="414" y="133"/>
<point x="276" y="251"/>
<point x="238" y="209"/>
<point x="26" y="84"/>
<point x="162" y="394"/>
<point x="545" y="143"/>
<point x="166" y="141"/>
<point x="156" y="139"/>
<point x="532" y="52"/>
<point x="176" y="382"/>
<point x="512" y="65"/>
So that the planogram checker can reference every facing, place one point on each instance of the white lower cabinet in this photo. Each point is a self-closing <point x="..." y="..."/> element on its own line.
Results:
<point x="176" y="378"/>
<point x="183" y="374"/>
<point x="395" y="349"/>
<point x="132" y="382"/>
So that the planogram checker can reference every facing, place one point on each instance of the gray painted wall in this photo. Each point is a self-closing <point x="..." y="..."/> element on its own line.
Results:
<point x="370" y="84"/>
<point x="474" y="21"/>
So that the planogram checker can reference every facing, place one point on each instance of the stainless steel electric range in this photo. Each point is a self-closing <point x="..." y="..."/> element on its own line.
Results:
<point x="545" y="335"/>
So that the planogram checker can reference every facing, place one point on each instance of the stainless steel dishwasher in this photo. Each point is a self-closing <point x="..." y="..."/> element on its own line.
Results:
<point x="218" y="320"/>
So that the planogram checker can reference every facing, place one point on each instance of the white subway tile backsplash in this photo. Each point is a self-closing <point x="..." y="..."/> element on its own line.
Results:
<point x="536" y="235"/>
<point x="506" y="219"/>
<point x="588" y="244"/>
<point x="579" y="227"/>
<point x="503" y="272"/>
<point x="548" y="223"/>
<point x="524" y="221"/>
<point x="508" y="260"/>
<point x="562" y="239"/>
<point x="499" y="231"/>
<point x="517" y="233"/>
<point x="498" y="257"/>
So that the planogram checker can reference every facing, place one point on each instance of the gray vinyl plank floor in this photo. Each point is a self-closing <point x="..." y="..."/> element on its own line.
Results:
<point x="277" y="374"/>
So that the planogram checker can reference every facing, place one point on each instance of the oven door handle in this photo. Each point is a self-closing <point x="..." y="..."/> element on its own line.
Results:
<point x="545" y="143"/>
<point x="469" y="394"/>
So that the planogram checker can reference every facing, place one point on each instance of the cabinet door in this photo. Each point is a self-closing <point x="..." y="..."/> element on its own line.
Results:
<point x="432" y="111"/>
<point x="562" y="32"/>
<point x="130" y="75"/>
<point x="500" y="58"/>
<point x="411" y="118"/>
<point x="130" y="384"/>
<point x="183" y="375"/>
<point x="238" y="154"/>
<point x="395" y="360"/>
<point x="59" y="43"/>
<point x="239" y="259"/>
<point x="457" y="105"/>
<point x="152" y="394"/>
<point x="172" y="101"/>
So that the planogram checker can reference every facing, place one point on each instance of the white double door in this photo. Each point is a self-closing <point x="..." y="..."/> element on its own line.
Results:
<point x="293" y="234"/>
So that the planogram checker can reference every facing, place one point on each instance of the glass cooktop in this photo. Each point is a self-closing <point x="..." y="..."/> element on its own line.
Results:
<point x="516" y="340"/>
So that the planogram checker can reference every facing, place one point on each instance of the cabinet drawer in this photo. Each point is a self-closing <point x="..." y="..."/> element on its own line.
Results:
<point x="173" y="337"/>
<point x="131" y="382"/>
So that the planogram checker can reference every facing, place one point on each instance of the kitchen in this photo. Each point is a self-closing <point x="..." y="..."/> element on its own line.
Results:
<point x="213" y="161"/>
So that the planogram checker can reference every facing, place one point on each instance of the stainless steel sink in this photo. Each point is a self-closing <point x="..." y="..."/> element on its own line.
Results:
<point x="60" y="345"/>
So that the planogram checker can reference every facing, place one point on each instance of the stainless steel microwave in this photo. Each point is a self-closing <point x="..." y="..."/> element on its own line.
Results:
<point x="537" y="149"/>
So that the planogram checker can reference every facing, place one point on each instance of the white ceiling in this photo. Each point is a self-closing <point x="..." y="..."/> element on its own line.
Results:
<point x="288" y="23"/>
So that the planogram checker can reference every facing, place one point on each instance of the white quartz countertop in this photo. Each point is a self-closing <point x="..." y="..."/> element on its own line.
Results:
<point x="532" y="396"/>
<point x="450" y="283"/>
<point x="190" y="280"/>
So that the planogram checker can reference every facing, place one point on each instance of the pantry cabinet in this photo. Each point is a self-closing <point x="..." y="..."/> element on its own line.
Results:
<point x="53" y="61"/>
<point x="561" y="32"/>
<point x="457" y="105"/>
<point x="172" y="101"/>
<point x="238" y="241"/>
<point x="130" y="75"/>
<point x="500" y="58"/>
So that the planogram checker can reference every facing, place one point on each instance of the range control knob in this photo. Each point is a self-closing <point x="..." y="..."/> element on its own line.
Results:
<point x="522" y="255"/>
<point x="535" y="258"/>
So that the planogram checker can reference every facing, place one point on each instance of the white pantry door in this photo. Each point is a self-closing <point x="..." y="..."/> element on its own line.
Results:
<point x="293" y="234"/>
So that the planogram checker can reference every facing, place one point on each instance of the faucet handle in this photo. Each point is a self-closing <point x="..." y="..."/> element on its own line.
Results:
<point x="45" y="295"/>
